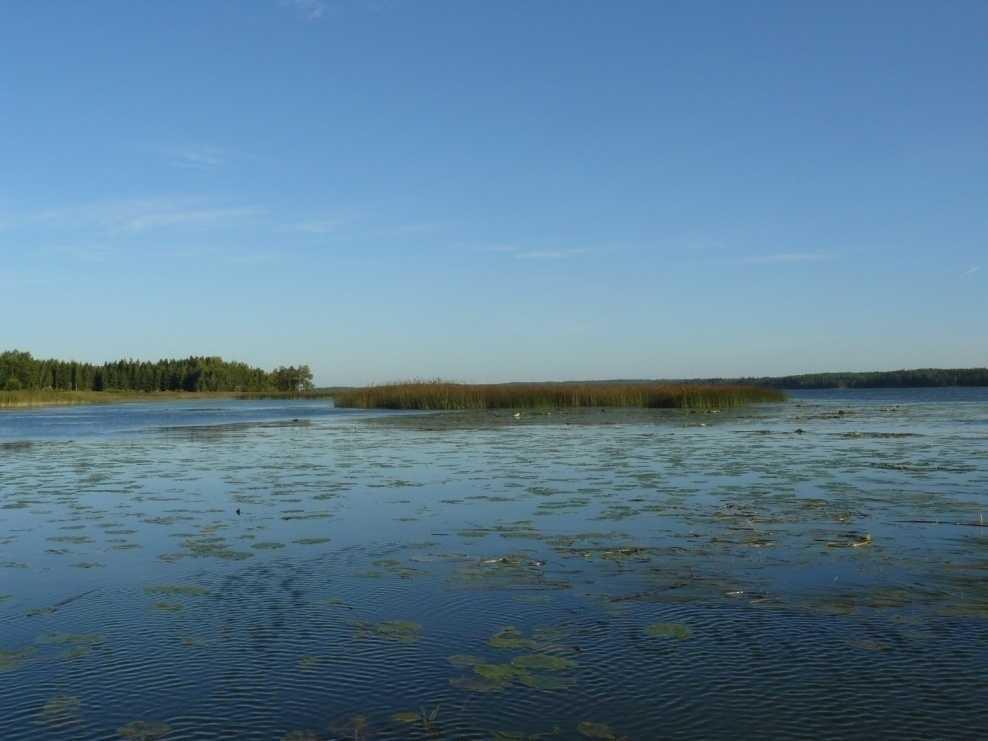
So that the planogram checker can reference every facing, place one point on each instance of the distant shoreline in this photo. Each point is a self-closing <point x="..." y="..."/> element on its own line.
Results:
<point x="32" y="399"/>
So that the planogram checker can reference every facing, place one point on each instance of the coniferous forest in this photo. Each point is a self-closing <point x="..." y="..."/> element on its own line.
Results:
<point x="20" y="371"/>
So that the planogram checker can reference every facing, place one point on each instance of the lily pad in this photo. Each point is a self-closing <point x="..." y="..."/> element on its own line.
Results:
<point x="543" y="662"/>
<point x="60" y="710"/>
<point x="142" y="730"/>
<point x="510" y="638"/>
<point x="589" y="729"/>
<point x="668" y="630"/>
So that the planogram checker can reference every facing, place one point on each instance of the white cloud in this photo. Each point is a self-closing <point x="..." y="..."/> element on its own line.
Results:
<point x="972" y="270"/>
<point x="154" y="218"/>
<point x="311" y="10"/>
<point x="548" y="254"/>
<point x="784" y="257"/>
<point x="321" y="226"/>
<point x="197" y="158"/>
<point x="142" y="214"/>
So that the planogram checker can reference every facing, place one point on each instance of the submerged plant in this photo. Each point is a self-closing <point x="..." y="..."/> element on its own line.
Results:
<point x="60" y="710"/>
<point x="668" y="630"/>
<point x="427" y="719"/>
<point x="589" y="729"/>
<point x="404" y="631"/>
<point x="142" y="730"/>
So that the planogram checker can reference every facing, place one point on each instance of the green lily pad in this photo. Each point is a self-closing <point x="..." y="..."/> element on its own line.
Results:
<point x="404" y="631"/>
<point x="589" y="729"/>
<point x="668" y="630"/>
<point x="189" y="590"/>
<point x="510" y="638"/>
<point x="60" y="710"/>
<point x="543" y="662"/>
<point x="142" y="730"/>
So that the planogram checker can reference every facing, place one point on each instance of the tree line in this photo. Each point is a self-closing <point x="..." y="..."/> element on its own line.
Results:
<point x="918" y="377"/>
<point x="21" y="371"/>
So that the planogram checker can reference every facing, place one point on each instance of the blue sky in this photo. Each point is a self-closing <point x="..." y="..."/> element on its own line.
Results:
<point x="506" y="190"/>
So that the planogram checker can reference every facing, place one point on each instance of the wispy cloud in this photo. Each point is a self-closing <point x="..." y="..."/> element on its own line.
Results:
<point x="526" y="253"/>
<point x="311" y="10"/>
<point x="157" y="216"/>
<point x="319" y="226"/>
<point x="785" y="257"/>
<point x="137" y="215"/>
<point x="549" y="254"/>
<point x="197" y="158"/>
<point x="972" y="270"/>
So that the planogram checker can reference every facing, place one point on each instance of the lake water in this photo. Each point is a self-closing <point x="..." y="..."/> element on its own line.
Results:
<point x="815" y="569"/>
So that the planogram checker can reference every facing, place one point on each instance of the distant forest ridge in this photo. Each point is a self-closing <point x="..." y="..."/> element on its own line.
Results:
<point x="915" y="378"/>
<point x="918" y="377"/>
<point x="20" y="371"/>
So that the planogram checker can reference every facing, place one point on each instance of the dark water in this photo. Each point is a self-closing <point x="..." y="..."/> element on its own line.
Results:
<point x="580" y="575"/>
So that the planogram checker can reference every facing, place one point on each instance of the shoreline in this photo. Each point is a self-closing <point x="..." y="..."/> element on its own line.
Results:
<point x="20" y="400"/>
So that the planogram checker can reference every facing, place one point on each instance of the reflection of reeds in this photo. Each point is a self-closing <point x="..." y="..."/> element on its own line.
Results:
<point x="445" y="395"/>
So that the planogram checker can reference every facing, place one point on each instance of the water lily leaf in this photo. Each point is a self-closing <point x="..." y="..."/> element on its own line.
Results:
<point x="590" y="729"/>
<point x="668" y="630"/>
<point x="141" y="730"/>
<point x="542" y="662"/>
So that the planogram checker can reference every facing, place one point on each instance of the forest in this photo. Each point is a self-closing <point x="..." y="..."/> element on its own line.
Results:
<point x="919" y="377"/>
<point x="20" y="371"/>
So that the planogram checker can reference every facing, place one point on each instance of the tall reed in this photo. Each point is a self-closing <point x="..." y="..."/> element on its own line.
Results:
<point x="438" y="394"/>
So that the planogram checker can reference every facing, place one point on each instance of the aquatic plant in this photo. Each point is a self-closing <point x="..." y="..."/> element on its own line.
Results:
<point x="668" y="630"/>
<point x="404" y="631"/>
<point x="10" y="660"/>
<point x="60" y="710"/>
<point x="426" y="719"/>
<point x="445" y="395"/>
<point x="589" y="729"/>
<point x="142" y="730"/>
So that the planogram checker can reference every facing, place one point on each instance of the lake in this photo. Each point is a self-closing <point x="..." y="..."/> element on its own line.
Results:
<point x="286" y="570"/>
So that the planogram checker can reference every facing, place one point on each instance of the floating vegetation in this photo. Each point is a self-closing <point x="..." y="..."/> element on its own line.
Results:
<point x="589" y="729"/>
<point x="214" y="548"/>
<point x="404" y="631"/>
<point x="511" y="639"/>
<point x="522" y="736"/>
<point x="60" y="710"/>
<point x="355" y="727"/>
<point x="543" y="662"/>
<point x="311" y="541"/>
<point x="169" y="606"/>
<point x="302" y="735"/>
<point x="308" y="663"/>
<point x="267" y="546"/>
<point x="10" y="660"/>
<point x="668" y="630"/>
<point x="142" y="730"/>
<point x="424" y="718"/>
<point x="77" y="645"/>
<point x="174" y="590"/>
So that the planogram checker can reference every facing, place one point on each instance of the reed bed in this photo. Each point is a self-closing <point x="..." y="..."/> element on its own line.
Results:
<point x="443" y="395"/>
<point x="12" y="399"/>
<point x="29" y="398"/>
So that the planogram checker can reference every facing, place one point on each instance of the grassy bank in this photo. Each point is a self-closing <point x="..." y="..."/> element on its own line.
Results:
<point x="17" y="399"/>
<point x="444" y="395"/>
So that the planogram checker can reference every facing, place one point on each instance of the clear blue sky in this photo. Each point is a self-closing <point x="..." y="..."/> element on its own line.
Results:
<point x="497" y="190"/>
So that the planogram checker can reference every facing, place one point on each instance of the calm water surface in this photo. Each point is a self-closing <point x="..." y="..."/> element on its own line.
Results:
<point x="815" y="569"/>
